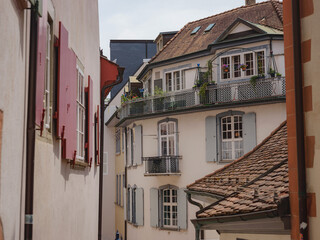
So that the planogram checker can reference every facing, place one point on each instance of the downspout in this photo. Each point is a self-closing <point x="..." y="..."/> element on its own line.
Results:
<point x="102" y="108"/>
<point x="31" y="133"/>
<point x="303" y="218"/>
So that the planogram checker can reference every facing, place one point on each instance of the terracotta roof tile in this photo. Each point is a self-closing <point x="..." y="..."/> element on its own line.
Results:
<point x="267" y="13"/>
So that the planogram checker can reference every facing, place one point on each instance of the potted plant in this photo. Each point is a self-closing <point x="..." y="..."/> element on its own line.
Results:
<point x="272" y="72"/>
<point x="243" y="67"/>
<point x="225" y="68"/>
<point x="278" y="75"/>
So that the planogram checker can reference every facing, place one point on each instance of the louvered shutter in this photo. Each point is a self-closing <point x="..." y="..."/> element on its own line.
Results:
<point x="41" y="63"/>
<point x="89" y="120"/>
<point x="129" y="147"/>
<point x="138" y="145"/>
<point x="97" y="153"/>
<point x="249" y="132"/>
<point x="125" y="203"/>
<point x="139" y="207"/>
<point x="182" y="209"/>
<point x="211" y="139"/>
<point x="154" y="207"/>
<point x="67" y="95"/>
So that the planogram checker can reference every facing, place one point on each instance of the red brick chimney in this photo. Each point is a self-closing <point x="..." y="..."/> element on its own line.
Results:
<point x="250" y="2"/>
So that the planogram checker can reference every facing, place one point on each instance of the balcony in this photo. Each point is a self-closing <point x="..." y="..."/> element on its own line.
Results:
<point x="241" y="92"/>
<point x="164" y="165"/>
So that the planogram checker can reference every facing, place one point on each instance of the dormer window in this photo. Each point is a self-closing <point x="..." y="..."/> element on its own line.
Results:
<point x="210" y="26"/>
<point x="195" y="30"/>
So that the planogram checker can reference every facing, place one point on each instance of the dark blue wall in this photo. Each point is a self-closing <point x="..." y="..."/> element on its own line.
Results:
<point x="129" y="54"/>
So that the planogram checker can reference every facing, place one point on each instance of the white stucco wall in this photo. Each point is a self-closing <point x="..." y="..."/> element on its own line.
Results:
<point x="14" y="48"/>
<point x="65" y="199"/>
<point x="191" y="130"/>
<point x="233" y="236"/>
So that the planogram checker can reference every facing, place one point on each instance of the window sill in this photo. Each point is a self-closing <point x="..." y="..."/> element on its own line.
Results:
<point x="79" y="165"/>
<point x="177" y="229"/>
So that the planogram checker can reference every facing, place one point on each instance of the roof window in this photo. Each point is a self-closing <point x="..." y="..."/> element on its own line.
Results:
<point x="195" y="30"/>
<point x="210" y="26"/>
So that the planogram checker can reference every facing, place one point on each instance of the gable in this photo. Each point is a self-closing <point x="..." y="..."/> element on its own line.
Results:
<point x="240" y="28"/>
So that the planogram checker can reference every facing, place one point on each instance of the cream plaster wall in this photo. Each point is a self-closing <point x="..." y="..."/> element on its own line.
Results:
<point x="233" y="236"/>
<point x="311" y="72"/>
<point x="14" y="49"/>
<point x="65" y="199"/>
<point x="191" y="128"/>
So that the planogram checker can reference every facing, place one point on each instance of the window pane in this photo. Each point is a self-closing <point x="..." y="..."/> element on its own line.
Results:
<point x="226" y="150"/>
<point x="225" y="67"/>
<point x="169" y="82"/>
<point x="171" y="145"/>
<point x="163" y="128"/>
<point x="249" y="62"/>
<point x="261" y="62"/>
<point x="236" y="64"/>
<point x="171" y="128"/>
<point x="177" y="79"/>
<point x="164" y="150"/>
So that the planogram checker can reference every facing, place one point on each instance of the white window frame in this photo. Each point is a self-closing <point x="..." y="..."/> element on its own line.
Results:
<point x="173" y="221"/>
<point x="233" y="138"/>
<point x="118" y="140"/>
<point x="81" y="113"/>
<point x="242" y="61"/>
<point x="47" y="85"/>
<point x="167" y="136"/>
<point x="175" y="81"/>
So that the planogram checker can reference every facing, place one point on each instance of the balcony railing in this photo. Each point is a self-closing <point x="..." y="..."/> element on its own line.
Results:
<point x="164" y="165"/>
<point x="269" y="88"/>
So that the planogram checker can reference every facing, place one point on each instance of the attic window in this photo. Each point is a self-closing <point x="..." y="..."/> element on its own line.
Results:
<point x="210" y="26"/>
<point x="195" y="30"/>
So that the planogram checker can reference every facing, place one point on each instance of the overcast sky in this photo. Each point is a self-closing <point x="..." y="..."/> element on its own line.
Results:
<point x="144" y="19"/>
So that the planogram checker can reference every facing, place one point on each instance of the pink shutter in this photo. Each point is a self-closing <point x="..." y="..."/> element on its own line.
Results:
<point x="67" y="95"/>
<point x="41" y="64"/>
<point x="89" y="120"/>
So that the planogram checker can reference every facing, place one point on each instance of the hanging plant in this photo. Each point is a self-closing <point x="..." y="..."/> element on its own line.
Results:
<point x="243" y="67"/>
<point x="225" y="68"/>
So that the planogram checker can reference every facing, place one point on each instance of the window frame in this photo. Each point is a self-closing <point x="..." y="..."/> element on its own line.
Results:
<point x="171" y="204"/>
<point x="80" y="106"/>
<point x="243" y="74"/>
<point x="167" y="136"/>
<point x="118" y="140"/>
<point x="174" y="82"/>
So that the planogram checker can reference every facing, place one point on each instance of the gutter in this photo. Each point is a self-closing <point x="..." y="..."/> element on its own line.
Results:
<point x="31" y="129"/>
<point x="102" y="109"/>
<point x="298" y="82"/>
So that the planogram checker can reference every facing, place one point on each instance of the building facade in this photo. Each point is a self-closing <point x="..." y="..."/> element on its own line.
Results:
<point x="205" y="105"/>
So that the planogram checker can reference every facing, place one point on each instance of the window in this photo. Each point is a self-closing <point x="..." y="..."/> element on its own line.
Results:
<point x="47" y="85"/>
<point x="210" y="26"/>
<point x="118" y="189"/>
<point x="167" y="133"/>
<point x="175" y="81"/>
<point x="254" y="63"/>
<point x="135" y="205"/>
<point x="194" y="31"/>
<point x="170" y="208"/>
<point x="118" y="132"/>
<point x="80" y="116"/>
<point x="158" y="84"/>
<point x="232" y="141"/>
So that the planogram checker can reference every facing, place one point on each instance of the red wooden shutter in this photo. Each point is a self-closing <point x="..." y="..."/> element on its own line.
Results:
<point x="89" y="120"/>
<point x="41" y="64"/>
<point x="67" y="95"/>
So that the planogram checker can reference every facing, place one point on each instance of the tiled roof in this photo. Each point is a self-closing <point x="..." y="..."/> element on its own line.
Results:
<point x="272" y="151"/>
<point x="267" y="13"/>
<point x="256" y="182"/>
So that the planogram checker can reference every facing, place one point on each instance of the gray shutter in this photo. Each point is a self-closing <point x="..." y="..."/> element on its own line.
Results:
<point x="129" y="148"/>
<point x="249" y="132"/>
<point x="182" y="209"/>
<point x="130" y="205"/>
<point x="138" y="145"/>
<point x="211" y="139"/>
<point x="154" y="207"/>
<point x="125" y="203"/>
<point x="139" y="207"/>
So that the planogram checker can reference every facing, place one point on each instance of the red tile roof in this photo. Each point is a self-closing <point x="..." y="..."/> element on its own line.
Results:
<point x="267" y="13"/>
<point x="257" y="181"/>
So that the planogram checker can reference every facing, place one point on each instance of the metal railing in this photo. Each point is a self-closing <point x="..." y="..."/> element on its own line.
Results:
<point x="215" y="94"/>
<point x="162" y="165"/>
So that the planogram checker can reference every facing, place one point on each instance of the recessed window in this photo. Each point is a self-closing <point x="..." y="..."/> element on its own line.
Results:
<point x="80" y="115"/>
<point x="210" y="26"/>
<point x="170" y="208"/>
<point x="195" y="30"/>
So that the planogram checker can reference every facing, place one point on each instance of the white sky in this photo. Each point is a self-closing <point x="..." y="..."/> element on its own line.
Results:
<point x="144" y="19"/>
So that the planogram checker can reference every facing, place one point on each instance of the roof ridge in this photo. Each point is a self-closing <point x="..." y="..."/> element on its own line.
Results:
<point x="246" y="185"/>
<point x="275" y="3"/>
<point x="244" y="156"/>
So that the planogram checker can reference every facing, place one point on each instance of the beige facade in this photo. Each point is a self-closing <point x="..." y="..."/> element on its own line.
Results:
<point x="232" y="236"/>
<point x="65" y="198"/>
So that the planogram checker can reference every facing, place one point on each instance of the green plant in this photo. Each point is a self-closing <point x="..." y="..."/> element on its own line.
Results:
<point x="158" y="91"/>
<point x="253" y="80"/>
<point x="124" y="98"/>
<point x="208" y="73"/>
<point x="202" y="91"/>
<point x="278" y="74"/>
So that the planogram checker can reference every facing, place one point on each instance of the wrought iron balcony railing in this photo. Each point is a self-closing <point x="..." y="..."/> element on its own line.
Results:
<point x="164" y="165"/>
<point x="244" y="91"/>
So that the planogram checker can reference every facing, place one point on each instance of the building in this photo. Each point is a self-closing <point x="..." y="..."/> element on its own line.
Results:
<point x="163" y="38"/>
<point x="248" y="198"/>
<point x="130" y="54"/>
<point x="302" y="59"/>
<point x="49" y="101"/>
<point x="213" y="93"/>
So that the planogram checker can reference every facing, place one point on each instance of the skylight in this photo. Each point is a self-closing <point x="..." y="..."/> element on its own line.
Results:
<point x="195" y="30"/>
<point x="210" y="26"/>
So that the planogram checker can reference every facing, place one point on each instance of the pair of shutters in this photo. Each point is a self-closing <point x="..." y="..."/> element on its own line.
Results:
<point x="213" y="136"/>
<point x="156" y="206"/>
<point x="134" y="154"/>
<point x="139" y="206"/>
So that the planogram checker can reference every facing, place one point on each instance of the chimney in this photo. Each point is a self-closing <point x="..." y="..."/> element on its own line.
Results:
<point x="250" y="2"/>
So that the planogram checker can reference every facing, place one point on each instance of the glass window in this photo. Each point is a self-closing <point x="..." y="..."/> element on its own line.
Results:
<point x="176" y="76"/>
<point x="170" y="208"/>
<point x="167" y="138"/>
<point x="118" y="141"/>
<point x="260" y="62"/>
<point x="169" y="85"/>
<point x="80" y="116"/>
<point x="225" y="67"/>
<point x="248" y="59"/>
<point x="47" y="84"/>
<point x="232" y="139"/>
<point x="235" y="64"/>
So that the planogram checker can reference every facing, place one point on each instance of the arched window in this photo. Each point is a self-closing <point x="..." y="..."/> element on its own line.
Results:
<point x="168" y="138"/>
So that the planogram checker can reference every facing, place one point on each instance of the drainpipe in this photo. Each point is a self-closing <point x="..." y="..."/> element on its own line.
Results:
<point x="31" y="133"/>
<point x="102" y="108"/>
<point x="303" y="218"/>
